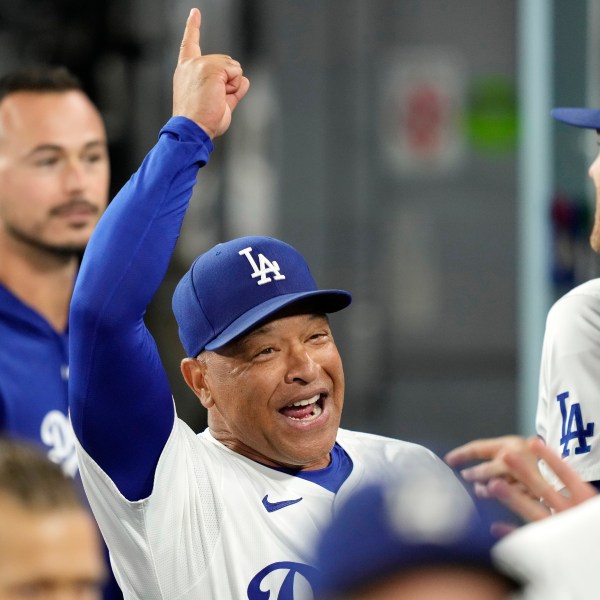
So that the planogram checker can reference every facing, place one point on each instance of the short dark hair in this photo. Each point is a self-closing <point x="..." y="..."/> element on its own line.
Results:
<point x="30" y="478"/>
<point x="39" y="79"/>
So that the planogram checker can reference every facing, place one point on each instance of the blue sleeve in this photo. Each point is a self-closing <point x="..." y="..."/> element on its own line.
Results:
<point x="119" y="396"/>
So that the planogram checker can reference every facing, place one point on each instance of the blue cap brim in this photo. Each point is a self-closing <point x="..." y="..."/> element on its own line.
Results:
<point x="588" y="118"/>
<point x="326" y="301"/>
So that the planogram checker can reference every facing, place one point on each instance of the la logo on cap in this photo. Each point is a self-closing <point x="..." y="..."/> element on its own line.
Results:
<point x="264" y="268"/>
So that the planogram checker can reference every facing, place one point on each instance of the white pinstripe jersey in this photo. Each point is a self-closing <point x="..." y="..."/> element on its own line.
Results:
<point x="205" y="532"/>
<point x="568" y="413"/>
<point x="556" y="557"/>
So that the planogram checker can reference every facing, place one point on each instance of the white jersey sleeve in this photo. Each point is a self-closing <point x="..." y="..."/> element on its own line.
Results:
<point x="219" y="526"/>
<point x="556" y="557"/>
<point x="568" y="412"/>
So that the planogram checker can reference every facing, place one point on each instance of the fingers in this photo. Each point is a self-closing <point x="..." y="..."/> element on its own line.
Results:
<point x="529" y="495"/>
<point x="536" y="486"/>
<point x="481" y="490"/>
<point x="491" y="452"/>
<point x="236" y="85"/>
<point x="577" y="490"/>
<point x="190" y="44"/>
<point x="518" y="501"/>
<point x="235" y="81"/>
<point x="476" y="450"/>
<point x="485" y="471"/>
<point x="527" y="473"/>
<point x="510" y="473"/>
<point x="237" y="93"/>
<point x="487" y="450"/>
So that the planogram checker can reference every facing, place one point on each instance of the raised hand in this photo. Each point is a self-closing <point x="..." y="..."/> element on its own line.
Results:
<point x="492" y="477"/>
<point x="490" y="452"/>
<point x="532" y="497"/>
<point x="206" y="88"/>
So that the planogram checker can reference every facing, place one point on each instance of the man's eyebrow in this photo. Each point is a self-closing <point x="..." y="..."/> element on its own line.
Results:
<point x="243" y="342"/>
<point x="58" y="148"/>
<point x="266" y="327"/>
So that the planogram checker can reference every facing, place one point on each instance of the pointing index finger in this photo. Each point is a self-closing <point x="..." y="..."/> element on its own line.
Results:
<point x="476" y="450"/>
<point x="190" y="44"/>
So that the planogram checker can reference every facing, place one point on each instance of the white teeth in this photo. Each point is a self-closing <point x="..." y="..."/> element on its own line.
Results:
<point x="305" y="402"/>
<point x="317" y="410"/>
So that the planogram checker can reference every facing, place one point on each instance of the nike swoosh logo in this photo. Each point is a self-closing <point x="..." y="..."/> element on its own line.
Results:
<point x="273" y="506"/>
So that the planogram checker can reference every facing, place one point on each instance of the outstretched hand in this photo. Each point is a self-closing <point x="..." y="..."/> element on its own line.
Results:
<point x="490" y="452"/>
<point x="533" y="498"/>
<point x="509" y="473"/>
<point x="206" y="88"/>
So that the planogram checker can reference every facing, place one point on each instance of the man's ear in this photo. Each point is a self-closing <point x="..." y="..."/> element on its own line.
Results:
<point x="194" y="373"/>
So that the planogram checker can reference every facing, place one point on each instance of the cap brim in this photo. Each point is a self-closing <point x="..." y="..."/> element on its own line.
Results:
<point x="326" y="301"/>
<point x="588" y="118"/>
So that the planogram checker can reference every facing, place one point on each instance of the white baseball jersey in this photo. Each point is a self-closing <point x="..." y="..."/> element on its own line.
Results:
<point x="568" y="413"/>
<point x="557" y="556"/>
<point x="219" y="526"/>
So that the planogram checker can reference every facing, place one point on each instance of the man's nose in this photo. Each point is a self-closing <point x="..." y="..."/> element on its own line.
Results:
<point x="301" y="366"/>
<point x="74" y="175"/>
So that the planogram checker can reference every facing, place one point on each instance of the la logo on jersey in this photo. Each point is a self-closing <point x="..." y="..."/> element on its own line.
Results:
<point x="573" y="428"/>
<point x="264" y="267"/>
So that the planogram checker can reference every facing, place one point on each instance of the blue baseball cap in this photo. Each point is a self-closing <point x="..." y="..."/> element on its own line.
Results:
<point x="389" y="528"/>
<point x="589" y="118"/>
<point x="238" y="284"/>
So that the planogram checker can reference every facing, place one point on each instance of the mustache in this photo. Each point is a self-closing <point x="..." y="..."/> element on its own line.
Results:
<point x="75" y="204"/>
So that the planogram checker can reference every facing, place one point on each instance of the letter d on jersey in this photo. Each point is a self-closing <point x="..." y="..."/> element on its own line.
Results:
<point x="283" y="581"/>
<point x="264" y="267"/>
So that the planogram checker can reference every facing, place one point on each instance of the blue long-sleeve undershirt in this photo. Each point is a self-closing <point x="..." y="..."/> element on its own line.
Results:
<point x="119" y="396"/>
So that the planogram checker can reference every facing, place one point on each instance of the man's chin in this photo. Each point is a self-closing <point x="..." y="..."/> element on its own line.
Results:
<point x="55" y="248"/>
<point x="64" y="250"/>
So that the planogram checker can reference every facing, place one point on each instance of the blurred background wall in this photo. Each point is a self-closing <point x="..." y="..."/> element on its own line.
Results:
<point x="384" y="139"/>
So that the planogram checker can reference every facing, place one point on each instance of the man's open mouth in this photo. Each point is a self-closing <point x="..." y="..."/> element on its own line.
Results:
<point x="303" y="410"/>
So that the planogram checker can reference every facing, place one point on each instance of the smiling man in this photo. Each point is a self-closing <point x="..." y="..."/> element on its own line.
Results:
<point x="233" y="512"/>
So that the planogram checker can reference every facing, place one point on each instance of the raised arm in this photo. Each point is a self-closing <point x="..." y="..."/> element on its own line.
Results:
<point x="120" y="400"/>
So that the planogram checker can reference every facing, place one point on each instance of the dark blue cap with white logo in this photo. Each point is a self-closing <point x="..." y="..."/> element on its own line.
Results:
<point x="238" y="284"/>
<point x="588" y="118"/>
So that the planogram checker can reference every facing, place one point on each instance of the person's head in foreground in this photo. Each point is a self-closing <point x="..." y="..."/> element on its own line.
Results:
<point x="586" y="118"/>
<point x="261" y="355"/>
<point x="49" y="543"/>
<point x="412" y="539"/>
